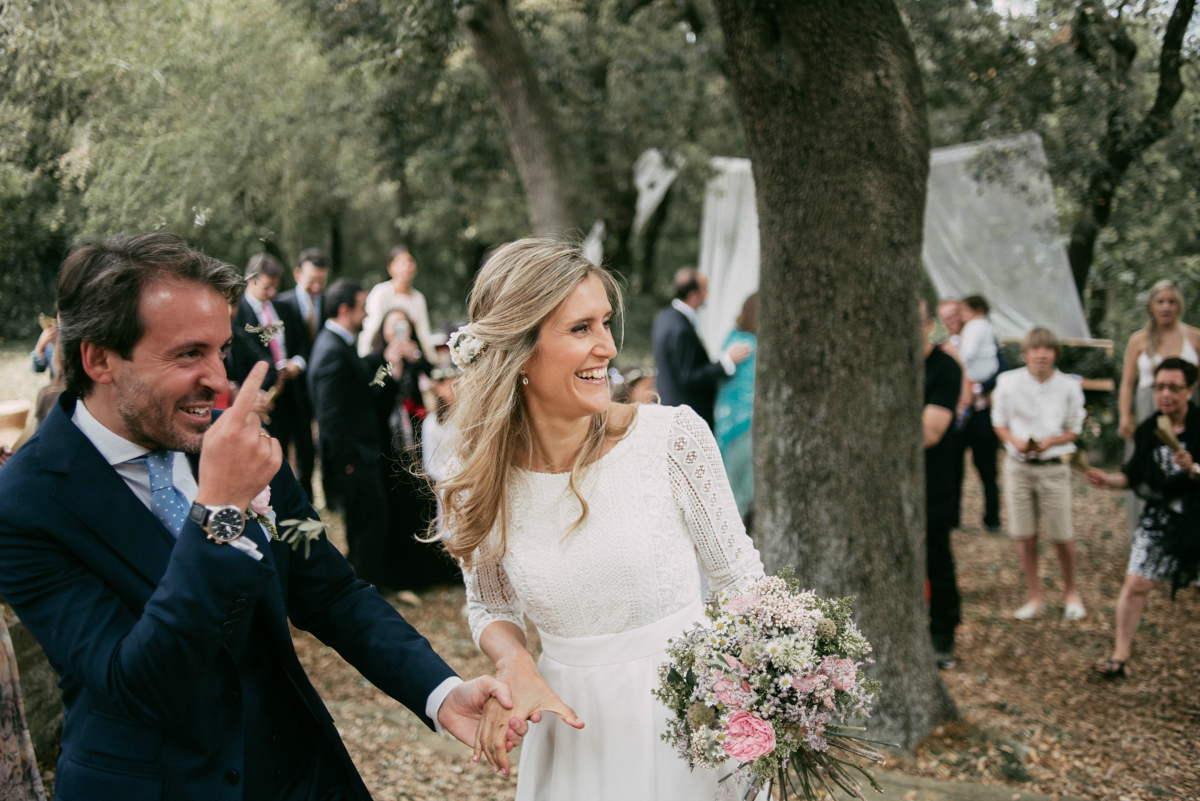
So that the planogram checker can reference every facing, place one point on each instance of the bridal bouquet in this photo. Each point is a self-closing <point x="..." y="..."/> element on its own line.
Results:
<point x="769" y="683"/>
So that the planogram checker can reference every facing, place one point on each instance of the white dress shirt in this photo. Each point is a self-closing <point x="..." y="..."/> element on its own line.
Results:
<point x="118" y="452"/>
<point x="1032" y="409"/>
<point x="978" y="350"/>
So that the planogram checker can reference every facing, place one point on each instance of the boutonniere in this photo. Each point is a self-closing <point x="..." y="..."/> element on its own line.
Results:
<point x="294" y="533"/>
<point x="381" y="375"/>
<point x="266" y="332"/>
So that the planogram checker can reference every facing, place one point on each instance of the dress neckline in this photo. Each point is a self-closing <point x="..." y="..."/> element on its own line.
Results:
<point x="620" y="445"/>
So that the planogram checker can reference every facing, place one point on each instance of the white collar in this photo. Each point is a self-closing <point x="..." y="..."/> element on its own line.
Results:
<point x="112" y="446"/>
<point x="257" y="305"/>
<point x="686" y="310"/>
<point x="346" y="336"/>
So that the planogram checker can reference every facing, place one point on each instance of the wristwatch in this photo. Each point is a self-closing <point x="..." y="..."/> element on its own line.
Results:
<point x="224" y="524"/>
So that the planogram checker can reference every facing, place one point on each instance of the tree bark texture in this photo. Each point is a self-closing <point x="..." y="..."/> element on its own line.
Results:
<point x="528" y="120"/>
<point x="1102" y="41"/>
<point x="831" y="102"/>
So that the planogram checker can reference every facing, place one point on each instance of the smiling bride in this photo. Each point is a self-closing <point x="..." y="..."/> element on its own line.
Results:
<point x="592" y="518"/>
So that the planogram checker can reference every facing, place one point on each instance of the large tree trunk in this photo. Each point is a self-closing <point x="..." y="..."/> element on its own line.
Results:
<point x="831" y="102"/>
<point x="532" y="131"/>
<point x="1102" y="41"/>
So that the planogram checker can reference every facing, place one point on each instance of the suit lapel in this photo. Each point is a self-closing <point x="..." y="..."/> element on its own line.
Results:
<point x="93" y="492"/>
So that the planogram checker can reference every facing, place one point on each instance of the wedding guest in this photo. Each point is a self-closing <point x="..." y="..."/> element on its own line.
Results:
<point x="1164" y="336"/>
<point x="397" y="293"/>
<point x="162" y="605"/>
<point x="302" y="311"/>
<point x="637" y="385"/>
<point x="949" y="311"/>
<point x="1038" y="413"/>
<point x="1170" y="483"/>
<point x="408" y="563"/>
<point x="256" y="309"/>
<point x="943" y="481"/>
<point x="592" y="518"/>
<point x="43" y="357"/>
<point x="980" y="356"/>
<point x="735" y="411"/>
<point x="686" y="377"/>
<point x="345" y="397"/>
<point x="20" y="779"/>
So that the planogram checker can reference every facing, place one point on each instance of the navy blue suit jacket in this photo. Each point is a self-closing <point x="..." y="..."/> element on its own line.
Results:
<point x="140" y="626"/>
<point x="686" y="377"/>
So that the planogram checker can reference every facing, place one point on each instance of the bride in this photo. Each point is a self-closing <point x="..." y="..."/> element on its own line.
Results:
<point x="592" y="518"/>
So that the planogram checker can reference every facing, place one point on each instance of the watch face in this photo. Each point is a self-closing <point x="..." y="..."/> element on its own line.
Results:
<point x="225" y="524"/>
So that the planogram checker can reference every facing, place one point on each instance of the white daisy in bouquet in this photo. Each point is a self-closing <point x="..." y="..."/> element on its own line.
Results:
<point x="769" y="686"/>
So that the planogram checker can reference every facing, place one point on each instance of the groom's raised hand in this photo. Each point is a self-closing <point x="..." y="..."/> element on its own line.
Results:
<point x="463" y="709"/>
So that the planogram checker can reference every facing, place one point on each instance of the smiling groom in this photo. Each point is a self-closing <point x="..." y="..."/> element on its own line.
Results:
<point x="125" y="551"/>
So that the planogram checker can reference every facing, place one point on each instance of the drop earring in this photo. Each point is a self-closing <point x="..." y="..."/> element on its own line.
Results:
<point x="524" y="379"/>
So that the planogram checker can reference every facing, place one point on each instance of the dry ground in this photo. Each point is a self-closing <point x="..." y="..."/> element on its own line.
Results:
<point x="1034" y="719"/>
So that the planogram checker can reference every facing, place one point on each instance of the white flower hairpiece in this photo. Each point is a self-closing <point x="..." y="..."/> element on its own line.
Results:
<point x="465" y="347"/>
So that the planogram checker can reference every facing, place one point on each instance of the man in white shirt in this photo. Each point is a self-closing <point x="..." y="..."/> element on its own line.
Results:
<point x="1038" y="413"/>
<point x="178" y="674"/>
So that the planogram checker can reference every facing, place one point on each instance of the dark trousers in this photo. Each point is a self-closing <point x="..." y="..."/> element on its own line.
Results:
<point x="980" y="437"/>
<point x="363" y="503"/>
<point x="945" y="605"/>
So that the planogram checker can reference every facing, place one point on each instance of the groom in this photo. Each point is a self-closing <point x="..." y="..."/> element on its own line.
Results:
<point x="125" y="550"/>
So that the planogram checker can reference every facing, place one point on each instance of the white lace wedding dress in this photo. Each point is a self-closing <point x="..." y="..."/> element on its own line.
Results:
<point x="608" y="596"/>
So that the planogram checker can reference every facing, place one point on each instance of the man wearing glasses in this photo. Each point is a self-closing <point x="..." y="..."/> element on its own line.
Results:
<point x="1038" y="414"/>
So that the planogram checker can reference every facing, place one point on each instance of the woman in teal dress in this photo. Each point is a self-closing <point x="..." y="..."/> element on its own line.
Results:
<point x="735" y="411"/>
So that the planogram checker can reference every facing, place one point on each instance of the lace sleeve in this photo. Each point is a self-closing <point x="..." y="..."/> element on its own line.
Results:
<point x="700" y="488"/>
<point x="491" y="597"/>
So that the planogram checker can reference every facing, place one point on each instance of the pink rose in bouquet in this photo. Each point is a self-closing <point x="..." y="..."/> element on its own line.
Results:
<point x="747" y="737"/>
<point x="262" y="502"/>
<point x="841" y="672"/>
<point x="727" y="691"/>
<point x="743" y="603"/>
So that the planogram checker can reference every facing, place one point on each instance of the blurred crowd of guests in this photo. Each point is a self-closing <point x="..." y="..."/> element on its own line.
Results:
<point x="1037" y="414"/>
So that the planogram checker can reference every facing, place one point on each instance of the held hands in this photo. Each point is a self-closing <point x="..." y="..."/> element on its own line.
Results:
<point x="531" y="697"/>
<point x="238" y="458"/>
<point x="461" y="713"/>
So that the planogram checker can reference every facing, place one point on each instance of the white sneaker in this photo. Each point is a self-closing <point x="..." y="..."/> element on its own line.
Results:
<point x="1074" y="611"/>
<point x="1028" y="612"/>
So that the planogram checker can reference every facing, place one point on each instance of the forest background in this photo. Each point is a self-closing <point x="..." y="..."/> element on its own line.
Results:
<point x="252" y="125"/>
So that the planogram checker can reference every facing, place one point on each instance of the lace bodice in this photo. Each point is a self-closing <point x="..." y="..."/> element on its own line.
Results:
<point x="659" y="510"/>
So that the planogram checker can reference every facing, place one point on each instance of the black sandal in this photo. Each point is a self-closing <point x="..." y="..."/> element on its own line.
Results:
<point x="1110" y="668"/>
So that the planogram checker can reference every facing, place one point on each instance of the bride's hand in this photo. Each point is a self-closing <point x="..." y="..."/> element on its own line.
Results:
<point x="531" y="697"/>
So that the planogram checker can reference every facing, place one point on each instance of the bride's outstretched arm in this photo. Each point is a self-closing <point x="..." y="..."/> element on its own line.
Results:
<point x="504" y="643"/>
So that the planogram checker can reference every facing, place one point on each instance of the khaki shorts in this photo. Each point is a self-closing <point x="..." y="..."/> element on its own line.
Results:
<point x="1038" y="496"/>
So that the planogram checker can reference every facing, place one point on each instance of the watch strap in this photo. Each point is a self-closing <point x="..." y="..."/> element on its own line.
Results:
<point x="198" y="514"/>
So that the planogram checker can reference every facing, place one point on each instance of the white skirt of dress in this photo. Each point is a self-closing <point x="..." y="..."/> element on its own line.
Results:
<point x="619" y="755"/>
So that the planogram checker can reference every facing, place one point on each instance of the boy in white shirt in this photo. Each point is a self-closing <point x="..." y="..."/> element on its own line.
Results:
<point x="1038" y="413"/>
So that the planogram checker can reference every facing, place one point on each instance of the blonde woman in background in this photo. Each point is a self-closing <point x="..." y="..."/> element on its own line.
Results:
<point x="1164" y="336"/>
<point x="586" y="515"/>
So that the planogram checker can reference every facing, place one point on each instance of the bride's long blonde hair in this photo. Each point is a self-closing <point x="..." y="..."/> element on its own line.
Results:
<point x="520" y="286"/>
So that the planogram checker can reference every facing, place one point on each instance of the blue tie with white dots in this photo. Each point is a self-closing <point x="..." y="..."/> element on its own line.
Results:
<point x="166" y="501"/>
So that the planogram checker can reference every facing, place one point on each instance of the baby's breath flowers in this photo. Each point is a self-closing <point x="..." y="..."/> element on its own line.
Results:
<point x="768" y="686"/>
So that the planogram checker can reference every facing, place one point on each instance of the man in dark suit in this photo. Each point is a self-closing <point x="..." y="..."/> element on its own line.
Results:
<point x="686" y="377"/>
<point x="256" y="310"/>
<point x="340" y="384"/>
<point x="302" y="311"/>
<point x="125" y="550"/>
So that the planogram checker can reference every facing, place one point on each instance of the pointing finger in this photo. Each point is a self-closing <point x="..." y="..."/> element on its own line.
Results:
<point x="243" y="405"/>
